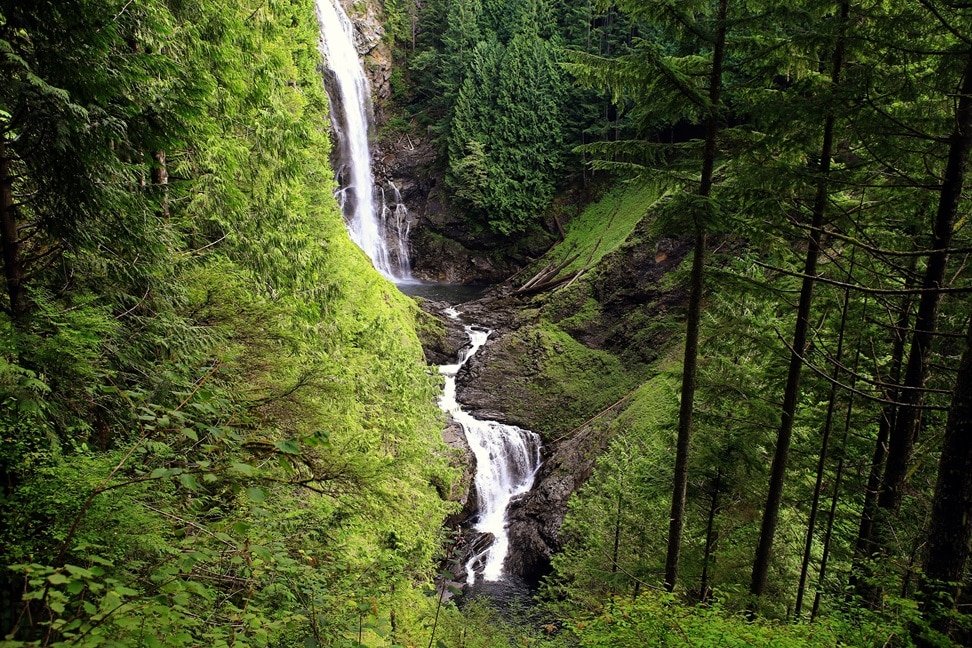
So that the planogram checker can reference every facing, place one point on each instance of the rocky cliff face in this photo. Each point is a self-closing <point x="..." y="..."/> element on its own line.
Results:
<point x="368" y="19"/>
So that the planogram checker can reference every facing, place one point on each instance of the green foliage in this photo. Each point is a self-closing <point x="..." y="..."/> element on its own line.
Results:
<point x="606" y="224"/>
<point x="574" y="379"/>
<point x="216" y="423"/>
<point x="486" y="77"/>
<point x="624" y="502"/>
<point x="504" y="141"/>
<point x="660" y="620"/>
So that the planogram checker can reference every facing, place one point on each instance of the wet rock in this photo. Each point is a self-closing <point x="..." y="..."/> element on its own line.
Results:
<point x="368" y="19"/>
<point x="495" y="384"/>
<point x="442" y="338"/>
<point x="479" y="543"/>
<point x="535" y="519"/>
<point x="470" y="543"/>
<point x="463" y="491"/>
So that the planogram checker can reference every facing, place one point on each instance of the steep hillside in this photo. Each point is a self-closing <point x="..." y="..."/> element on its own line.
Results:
<point x="571" y="360"/>
<point x="217" y="426"/>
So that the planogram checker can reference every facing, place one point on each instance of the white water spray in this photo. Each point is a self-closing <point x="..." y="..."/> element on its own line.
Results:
<point x="395" y="215"/>
<point x="357" y="193"/>
<point x="507" y="460"/>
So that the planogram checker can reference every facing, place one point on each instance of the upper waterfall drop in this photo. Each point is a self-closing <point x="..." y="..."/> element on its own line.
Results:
<point x="350" y="112"/>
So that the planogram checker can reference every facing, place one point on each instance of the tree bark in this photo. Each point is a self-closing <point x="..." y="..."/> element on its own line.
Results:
<point x="10" y="236"/>
<point x="791" y="392"/>
<point x="824" y="446"/>
<point x="711" y="537"/>
<point x="901" y="440"/>
<point x="864" y="545"/>
<point x="160" y="181"/>
<point x="950" y="527"/>
<point x="690" y="360"/>
<point x="838" y="478"/>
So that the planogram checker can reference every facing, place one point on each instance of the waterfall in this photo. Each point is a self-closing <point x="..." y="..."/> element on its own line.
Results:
<point x="395" y="216"/>
<point x="507" y="460"/>
<point x="350" y="100"/>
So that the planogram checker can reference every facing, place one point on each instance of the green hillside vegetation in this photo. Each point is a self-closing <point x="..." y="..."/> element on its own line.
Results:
<point x="605" y="224"/>
<point x="217" y="427"/>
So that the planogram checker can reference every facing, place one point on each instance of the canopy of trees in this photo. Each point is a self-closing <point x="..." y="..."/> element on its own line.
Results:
<point x="216" y="428"/>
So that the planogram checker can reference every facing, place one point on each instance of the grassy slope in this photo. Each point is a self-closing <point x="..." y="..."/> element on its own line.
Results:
<point x="576" y="368"/>
<point x="604" y="225"/>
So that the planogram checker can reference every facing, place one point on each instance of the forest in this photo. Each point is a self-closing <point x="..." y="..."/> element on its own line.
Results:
<point x="676" y="349"/>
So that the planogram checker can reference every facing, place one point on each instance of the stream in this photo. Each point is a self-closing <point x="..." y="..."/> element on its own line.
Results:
<point x="507" y="460"/>
<point x="507" y="456"/>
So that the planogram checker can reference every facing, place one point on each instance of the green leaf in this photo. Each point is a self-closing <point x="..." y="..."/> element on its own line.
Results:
<point x="242" y="468"/>
<point x="288" y="446"/>
<point x="57" y="579"/>
<point x="256" y="494"/>
<point x="79" y="571"/>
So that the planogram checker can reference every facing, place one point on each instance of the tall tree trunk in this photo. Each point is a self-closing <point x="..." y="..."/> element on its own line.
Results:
<point x="689" y="364"/>
<point x="824" y="445"/>
<point x="10" y="235"/>
<point x="838" y="478"/>
<point x="950" y="528"/>
<point x="792" y="390"/>
<point x="711" y="537"/>
<point x="902" y="437"/>
<point x="864" y="546"/>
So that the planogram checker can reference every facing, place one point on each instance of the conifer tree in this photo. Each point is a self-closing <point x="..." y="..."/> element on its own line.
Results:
<point x="903" y="434"/>
<point x="950" y="527"/>
<point x="802" y="325"/>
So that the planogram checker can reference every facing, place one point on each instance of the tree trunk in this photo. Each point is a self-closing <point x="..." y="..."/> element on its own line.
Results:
<point x="838" y="478"/>
<point x="10" y="236"/>
<point x="792" y="390"/>
<point x="902" y="437"/>
<point x="824" y="446"/>
<point x="711" y="537"/>
<point x="160" y="181"/>
<point x="950" y="527"/>
<point x="864" y="546"/>
<point x="680" y="479"/>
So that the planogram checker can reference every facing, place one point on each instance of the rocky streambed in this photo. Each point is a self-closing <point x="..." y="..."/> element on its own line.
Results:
<point x="490" y="385"/>
<point x="563" y="364"/>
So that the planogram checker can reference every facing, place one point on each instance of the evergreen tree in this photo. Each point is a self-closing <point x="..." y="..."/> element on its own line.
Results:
<point x="505" y="136"/>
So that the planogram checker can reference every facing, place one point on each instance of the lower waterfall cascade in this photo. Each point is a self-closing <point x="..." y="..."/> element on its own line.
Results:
<point x="507" y="461"/>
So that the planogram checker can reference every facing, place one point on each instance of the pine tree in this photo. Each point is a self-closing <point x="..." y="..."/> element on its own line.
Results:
<point x="950" y="527"/>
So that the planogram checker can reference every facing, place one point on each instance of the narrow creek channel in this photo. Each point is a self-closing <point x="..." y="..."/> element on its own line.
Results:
<point x="507" y="461"/>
